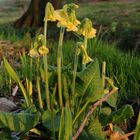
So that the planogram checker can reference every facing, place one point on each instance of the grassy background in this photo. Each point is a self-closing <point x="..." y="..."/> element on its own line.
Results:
<point x="102" y="13"/>
<point x="123" y="67"/>
<point x="107" y="12"/>
<point x="119" y="19"/>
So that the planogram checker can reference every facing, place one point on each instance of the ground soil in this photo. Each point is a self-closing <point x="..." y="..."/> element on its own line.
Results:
<point x="10" y="50"/>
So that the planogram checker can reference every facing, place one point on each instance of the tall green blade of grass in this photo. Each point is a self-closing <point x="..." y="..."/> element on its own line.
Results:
<point x="68" y="124"/>
<point x="27" y="71"/>
<point x="65" y="128"/>
<point x="65" y="90"/>
<point x="61" y="126"/>
<point x="13" y="74"/>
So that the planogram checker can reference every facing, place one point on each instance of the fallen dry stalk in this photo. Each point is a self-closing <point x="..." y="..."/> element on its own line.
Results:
<point x="125" y="136"/>
<point x="79" y="131"/>
<point x="116" y="135"/>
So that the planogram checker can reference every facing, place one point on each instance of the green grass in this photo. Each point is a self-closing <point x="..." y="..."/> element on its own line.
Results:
<point x="107" y="12"/>
<point x="121" y="16"/>
<point x="122" y="67"/>
<point x="103" y="13"/>
<point x="8" y="32"/>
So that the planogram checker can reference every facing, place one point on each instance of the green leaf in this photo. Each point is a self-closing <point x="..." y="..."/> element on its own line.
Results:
<point x="61" y="126"/>
<point x="122" y="114"/>
<point x="104" y="115"/>
<point x="82" y="109"/>
<point x="13" y="74"/>
<point x="137" y="135"/>
<point x="65" y="128"/>
<point x="93" y="131"/>
<point x="47" y="119"/>
<point x="68" y="124"/>
<point x="19" y="121"/>
<point x="112" y="100"/>
<point x="5" y="134"/>
<point x="25" y="68"/>
<point x="32" y="109"/>
<point x="65" y="88"/>
<point x="42" y="72"/>
<point x="106" y="110"/>
<point x="118" y="116"/>
<point x="89" y="83"/>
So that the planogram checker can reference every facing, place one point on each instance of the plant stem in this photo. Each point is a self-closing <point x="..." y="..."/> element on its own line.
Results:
<point x="59" y="58"/>
<point x="74" y="77"/>
<point x="10" y="83"/>
<point x="46" y="64"/>
<point x="65" y="89"/>
<point x="52" y="112"/>
<point x="85" y="45"/>
<point x="45" y="27"/>
<point x="30" y="80"/>
<point x="38" y="86"/>
<point x="80" y="129"/>
<point x="46" y="81"/>
<point x="103" y="73"/>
